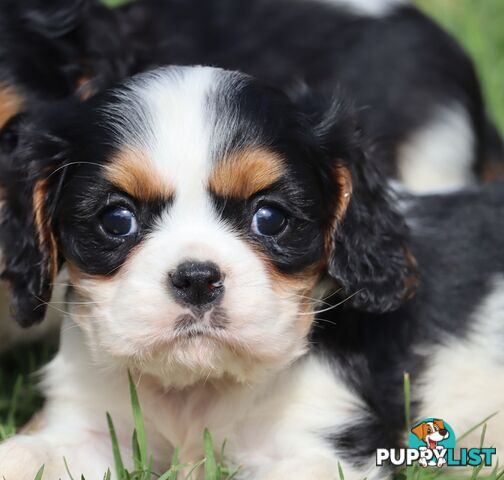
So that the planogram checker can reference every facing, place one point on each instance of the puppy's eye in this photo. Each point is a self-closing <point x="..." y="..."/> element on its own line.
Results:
<point x="269" y="221"/>
<point x="9" y="136"/>
<point x="119" y="222"/>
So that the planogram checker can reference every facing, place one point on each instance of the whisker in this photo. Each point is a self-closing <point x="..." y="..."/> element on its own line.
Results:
<point x="70" y="164"/>
<point x="316" y="312"/>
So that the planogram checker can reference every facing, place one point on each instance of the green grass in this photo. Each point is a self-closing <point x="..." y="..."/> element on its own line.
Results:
<point x="19" y="398"/>
<point x="213" y="466"/>
<point x="478" y="25"/>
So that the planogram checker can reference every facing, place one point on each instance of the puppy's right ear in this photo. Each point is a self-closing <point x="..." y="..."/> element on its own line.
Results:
<point x="29" y="184"/>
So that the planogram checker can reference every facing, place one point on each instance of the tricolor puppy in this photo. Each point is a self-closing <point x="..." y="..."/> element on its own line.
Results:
<point x="200" y="215"/>
<point x="416" y="91"/>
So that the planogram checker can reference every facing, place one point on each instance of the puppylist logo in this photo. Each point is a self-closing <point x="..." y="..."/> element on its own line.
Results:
<point x="432" y="444"/>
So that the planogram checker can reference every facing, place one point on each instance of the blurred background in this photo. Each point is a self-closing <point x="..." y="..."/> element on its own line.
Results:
<point x="479" y="26"/>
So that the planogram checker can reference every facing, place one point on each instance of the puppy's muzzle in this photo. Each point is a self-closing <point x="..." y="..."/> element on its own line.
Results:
<point x="197" y="284"/>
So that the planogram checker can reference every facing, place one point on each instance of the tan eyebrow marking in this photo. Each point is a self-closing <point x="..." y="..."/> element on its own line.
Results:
<point x="246" y="172"/>
<point x="133" y="171"/>
<point x="11" y="103"/>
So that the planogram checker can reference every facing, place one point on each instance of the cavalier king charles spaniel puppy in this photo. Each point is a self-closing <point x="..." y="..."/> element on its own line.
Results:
<point x="235" y="250"/>
<point x="200" y="216"/>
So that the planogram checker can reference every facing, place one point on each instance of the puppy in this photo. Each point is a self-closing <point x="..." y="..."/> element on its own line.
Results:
<point x="197" y="213"/>
<point x="244" y="261"/>
<point x="425" y="122"/>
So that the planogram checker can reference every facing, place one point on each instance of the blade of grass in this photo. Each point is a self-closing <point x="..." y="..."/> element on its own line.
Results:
<point x="137" y="456"/>
<point x="340" y="472"/>
<point x="172" y="474"/>
<point x="119" y="465"/>
<point x="194" y="468"/>
<point x="233" y="474"/>
<point x="67" y="469"/>
<point x="139" y="423"/>
<point x="483" y="434"/>
<point x="407" y="400"/>
<point x="476" y="426"/>
<point x="210" y="462"/>
<point x="11" y="417"/>
<point x="495" y="470"/>
<point x="40" y="473"/>
<point x="477" y="469"/>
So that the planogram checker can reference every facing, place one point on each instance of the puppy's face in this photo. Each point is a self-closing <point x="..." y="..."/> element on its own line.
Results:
<point x="199" y="236"/>
<point x="196" y="211"/>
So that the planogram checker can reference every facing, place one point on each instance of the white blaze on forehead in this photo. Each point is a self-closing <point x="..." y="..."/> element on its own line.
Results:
<point x="167" y="114"/>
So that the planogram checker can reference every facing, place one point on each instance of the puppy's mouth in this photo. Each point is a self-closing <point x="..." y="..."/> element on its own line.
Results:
<point x="432" y="444"/>
<point x="199" y="324"/>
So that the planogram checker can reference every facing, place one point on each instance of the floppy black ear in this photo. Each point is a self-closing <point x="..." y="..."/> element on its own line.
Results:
<point x="29" y="186"/>
<point x="367" y="237"/>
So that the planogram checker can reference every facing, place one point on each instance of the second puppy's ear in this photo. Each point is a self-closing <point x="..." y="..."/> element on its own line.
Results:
<point x="366" y="239"/>
<point x="28" y="242"/>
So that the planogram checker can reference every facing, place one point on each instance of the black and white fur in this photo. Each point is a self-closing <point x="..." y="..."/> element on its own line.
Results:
<point x="415" y="88"/>
<point x="293" y="391"/>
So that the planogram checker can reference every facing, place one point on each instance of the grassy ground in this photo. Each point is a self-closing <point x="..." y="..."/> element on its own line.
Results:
<point x="478" y="26"/>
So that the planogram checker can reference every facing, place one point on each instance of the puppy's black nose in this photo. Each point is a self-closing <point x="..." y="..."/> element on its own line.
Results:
<point x="443" y="432"/>
<point x="197" y="284"/>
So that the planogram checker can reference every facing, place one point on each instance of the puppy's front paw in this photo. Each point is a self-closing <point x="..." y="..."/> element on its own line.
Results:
<point x="441" y="462"/>
<point x="422" y="462"/>
<point x="21" y="458"/>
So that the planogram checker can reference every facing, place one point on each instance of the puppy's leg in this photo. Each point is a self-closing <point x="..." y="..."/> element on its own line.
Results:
<point x="86" y="453"/>
<point x="72" y="424"/>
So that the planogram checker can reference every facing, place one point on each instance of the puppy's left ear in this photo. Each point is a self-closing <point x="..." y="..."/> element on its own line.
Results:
<point x="366" y="240"/>
<point x="30" y="184"/>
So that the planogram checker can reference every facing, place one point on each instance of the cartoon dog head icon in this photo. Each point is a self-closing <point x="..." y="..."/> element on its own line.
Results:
<point x="431" y="432"/>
